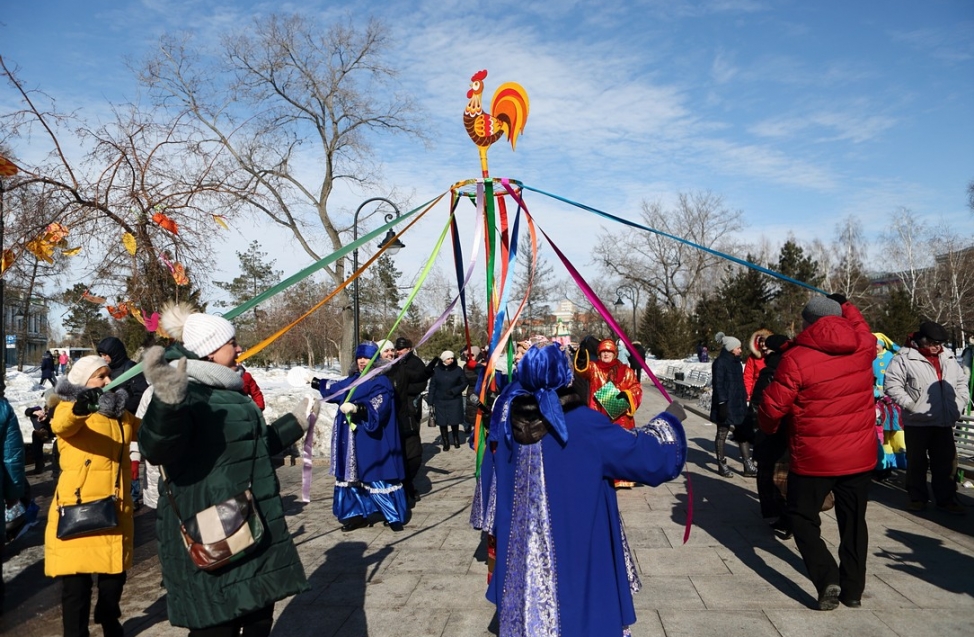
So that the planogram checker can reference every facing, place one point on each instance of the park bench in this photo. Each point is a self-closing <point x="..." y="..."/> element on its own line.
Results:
<point x="668" y="378"/>
<point x="964" y="437"/>
<point x="693" y="383"/>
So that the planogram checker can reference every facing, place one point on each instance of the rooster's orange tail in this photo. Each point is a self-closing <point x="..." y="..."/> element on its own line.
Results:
<point x="510" y="105"/>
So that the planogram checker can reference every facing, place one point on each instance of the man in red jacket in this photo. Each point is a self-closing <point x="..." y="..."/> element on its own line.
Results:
<point x="823" y="391"/>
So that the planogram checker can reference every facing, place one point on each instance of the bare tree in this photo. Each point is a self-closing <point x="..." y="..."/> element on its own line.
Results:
<point x="849" y="274"/>
<point x="284" y="95"/>
<point x="953" y="280"/>
<point x="906" y="252"/>
<point x="675" y="273"/>
<point x="135" y="198"/>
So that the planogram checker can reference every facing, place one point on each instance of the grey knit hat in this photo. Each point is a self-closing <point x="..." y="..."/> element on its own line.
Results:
<point x="731" y="343"/>
<point x="820" y="306"/>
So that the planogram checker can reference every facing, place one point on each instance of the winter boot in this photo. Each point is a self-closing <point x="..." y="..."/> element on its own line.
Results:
<point x="456" y="436"/>
<point x="445" y="438"/>
<point x="719" y="441"/>
<point x="750" y="471"/>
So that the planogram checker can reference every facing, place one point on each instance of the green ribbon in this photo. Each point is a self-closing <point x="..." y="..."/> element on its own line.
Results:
<point x="291" y="280"/>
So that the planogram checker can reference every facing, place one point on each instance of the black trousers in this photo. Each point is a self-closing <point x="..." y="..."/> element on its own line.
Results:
<point x="76" y="603"/>
<point x="805" y="497"/>
<point x="938" y="444"/>
<point x="412" y="452"/>
<point x="255" y="624"/>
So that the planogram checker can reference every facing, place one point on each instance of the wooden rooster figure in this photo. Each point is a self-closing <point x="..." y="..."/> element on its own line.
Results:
<point x="508" y="114"/>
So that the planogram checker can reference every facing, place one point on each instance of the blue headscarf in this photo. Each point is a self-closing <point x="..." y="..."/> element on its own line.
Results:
<point x="366" y="350"/>
<point x="540" y="373"/>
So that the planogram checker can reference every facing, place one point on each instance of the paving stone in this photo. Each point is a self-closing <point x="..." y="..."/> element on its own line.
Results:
<point x="716" y="623"/>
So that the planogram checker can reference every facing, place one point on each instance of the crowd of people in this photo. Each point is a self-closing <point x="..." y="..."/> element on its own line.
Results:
<point x="817" y="418"/>
<point x="829" y="411"/>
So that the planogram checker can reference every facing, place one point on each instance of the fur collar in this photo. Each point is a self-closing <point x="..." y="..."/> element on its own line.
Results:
<point x="212" y="374"/>
<point x="111" y="403"/>
<point x="528" y="425"/>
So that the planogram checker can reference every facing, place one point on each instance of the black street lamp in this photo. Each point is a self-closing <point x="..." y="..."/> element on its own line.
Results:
<point x="390" y="240"/>
<point x="632" y="293"/>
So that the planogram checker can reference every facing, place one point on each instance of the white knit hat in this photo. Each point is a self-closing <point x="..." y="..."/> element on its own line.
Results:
<point x="202" y="334"/>
<point x="84" y="368"/>
<point x="384" y="345"/>
<point x="446" y="354"/>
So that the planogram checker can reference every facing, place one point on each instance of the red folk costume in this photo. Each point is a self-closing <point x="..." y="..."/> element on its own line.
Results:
<point x="622" y="376"/>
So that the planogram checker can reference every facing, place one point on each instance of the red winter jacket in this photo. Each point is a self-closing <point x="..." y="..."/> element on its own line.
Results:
<point x="824" y="388"/>
<point x="251" y="388"/>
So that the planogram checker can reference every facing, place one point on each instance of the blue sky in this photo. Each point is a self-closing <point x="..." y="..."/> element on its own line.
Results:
<point x="797" y="113"/>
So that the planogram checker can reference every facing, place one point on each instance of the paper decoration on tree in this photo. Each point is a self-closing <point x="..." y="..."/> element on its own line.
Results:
<point x="508" y="114"/>
<point x="119" y="311"/>
<point x="128" y="240"/>
<point x="165" y="222"/>
<point x="221" y="221"/>
<point x="152" y="322"/>
<point x="7" y="260"/>
<point x="176" y="269"/>
<point x="179" y="274"/>
<point x="43" y="246"/>
<point x="7" y="167"/>
<point x="88" y="296"/>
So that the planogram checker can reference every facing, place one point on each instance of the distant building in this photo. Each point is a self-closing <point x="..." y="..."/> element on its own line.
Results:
<point x="25" y="327"/>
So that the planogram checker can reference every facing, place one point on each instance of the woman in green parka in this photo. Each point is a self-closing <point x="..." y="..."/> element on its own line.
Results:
<point x="213" y="444"/>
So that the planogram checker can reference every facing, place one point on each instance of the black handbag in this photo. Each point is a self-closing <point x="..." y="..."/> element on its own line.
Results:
<point x="83" y="518"/>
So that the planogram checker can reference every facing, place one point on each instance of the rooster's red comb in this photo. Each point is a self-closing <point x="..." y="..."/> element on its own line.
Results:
<point x="479" y="75"/>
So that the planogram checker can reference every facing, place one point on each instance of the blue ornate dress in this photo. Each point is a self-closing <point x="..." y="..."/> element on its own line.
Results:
<point x="366" y="452"/>
<point x="563" y="564"/>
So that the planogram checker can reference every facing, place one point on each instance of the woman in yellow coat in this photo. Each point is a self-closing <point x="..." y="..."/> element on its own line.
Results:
<point x="93" y="434"/>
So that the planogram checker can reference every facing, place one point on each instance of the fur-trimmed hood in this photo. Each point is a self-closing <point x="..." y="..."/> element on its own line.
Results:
<point x="528" y="425"/>
<point x="110" y="403"/>
<point x="752" y="343"/>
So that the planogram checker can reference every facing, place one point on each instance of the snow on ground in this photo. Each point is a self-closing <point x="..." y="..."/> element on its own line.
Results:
<point x="24" y="390"/>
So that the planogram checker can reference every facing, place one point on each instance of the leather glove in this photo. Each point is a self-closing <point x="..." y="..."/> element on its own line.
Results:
<point x="304" y="410"/>
<point x="431" y="365"/>
<point x="169" y="383"/>
<point x="722" y="412"/>
<point x="348" y="408"/>
<point x="676" y="409"/>
<point x="315" y="383"/>
<point x="838" y="297"/>
<point x="87" y="402"/>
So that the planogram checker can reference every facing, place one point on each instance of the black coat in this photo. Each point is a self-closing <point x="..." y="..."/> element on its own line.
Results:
<point x="47" y="366"/>
<point x="120" y="364"/>
<point x="767" y="448"/>
<point x="416" y="375"/>
<point x="728" y="387"/>
<point x="446" y="394"/>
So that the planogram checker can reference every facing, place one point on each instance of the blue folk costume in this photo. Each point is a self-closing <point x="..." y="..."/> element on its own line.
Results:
<point x="564" y="567"/>
<point x="366" y="452"/>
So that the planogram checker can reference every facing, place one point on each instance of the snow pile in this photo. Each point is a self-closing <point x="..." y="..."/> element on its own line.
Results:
<point x="280" y="395"/>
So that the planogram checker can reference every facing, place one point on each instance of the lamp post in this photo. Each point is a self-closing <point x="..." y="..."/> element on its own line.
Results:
<point x="390" y="240"/>
<point x="632" y="293"/>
